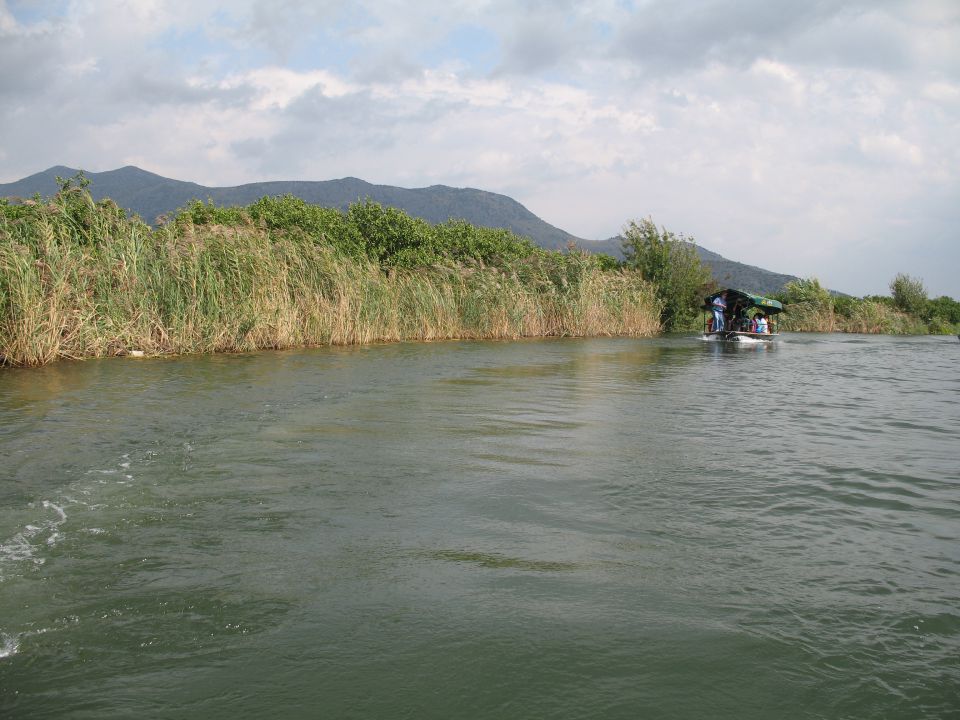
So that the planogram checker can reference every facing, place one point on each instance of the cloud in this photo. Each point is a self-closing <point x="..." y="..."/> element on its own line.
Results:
<point x="812" y="136"/>
<point x="891" y="148"/>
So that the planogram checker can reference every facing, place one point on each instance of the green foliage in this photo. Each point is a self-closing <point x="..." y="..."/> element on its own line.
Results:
<point x="392" y="237"/>
<point x="79" y="181"/>
<point x="807" y="291"/>
<point x="608" y="262"/>
<point x="810" y="308"/>
<point x="463" y="242"/>
<point x="326" y="225"/>
<point x="207" y="213"/>
<point x="72" y="212"/>
<point x="370" y="231"/>
<point x="674" y="268"/>
<point x="808" y="305"/>
<point x="909" y="294"/>
<point x="845" y="306"/>
<point x="942" y="316"/>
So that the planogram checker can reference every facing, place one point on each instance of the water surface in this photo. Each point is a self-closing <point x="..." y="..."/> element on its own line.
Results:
<point x="544" y="529"/>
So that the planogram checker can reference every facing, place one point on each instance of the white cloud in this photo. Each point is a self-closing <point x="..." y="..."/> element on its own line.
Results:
<point x="807" y="138"/>
<point x="891" y="149"/>
<point x="942" y="92"/>
<point x="277" y="87"/>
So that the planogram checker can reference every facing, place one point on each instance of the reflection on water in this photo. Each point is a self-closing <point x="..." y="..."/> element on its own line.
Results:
<point x="563" y="528"/>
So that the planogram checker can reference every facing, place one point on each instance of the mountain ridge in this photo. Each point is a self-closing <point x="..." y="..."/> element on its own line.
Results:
<point x="153" y="196"/>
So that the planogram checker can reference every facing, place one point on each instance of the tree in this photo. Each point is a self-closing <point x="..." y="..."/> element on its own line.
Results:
<point x="909" y="294"/>
<point x="672" y="265"/>
<point x="808" y="291"/>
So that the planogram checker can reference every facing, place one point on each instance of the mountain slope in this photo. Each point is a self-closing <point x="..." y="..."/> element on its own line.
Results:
<point x="151" y="196"/>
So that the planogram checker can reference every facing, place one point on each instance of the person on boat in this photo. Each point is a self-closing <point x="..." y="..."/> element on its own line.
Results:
<point x="719" y="305"/>
<point x="761" y="323"/>
<point x="740" y="321"/>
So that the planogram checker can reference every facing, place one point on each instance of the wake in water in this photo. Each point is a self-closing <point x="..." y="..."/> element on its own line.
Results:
<point x="42" y="526"/>
<point x="739" y="340"/>
<point x="8" y="645"/>
<point x="22" y="546"/>
<point x="27" y="545"/>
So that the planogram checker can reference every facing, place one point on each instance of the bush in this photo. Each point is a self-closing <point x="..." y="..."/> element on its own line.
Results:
<point x="809" y="307"/>
<point x="909" y="294"/>
<point x="674" y="268"/>
<point x="945" y="308"/>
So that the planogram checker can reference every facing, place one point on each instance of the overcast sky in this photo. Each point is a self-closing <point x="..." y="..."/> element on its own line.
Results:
<point x="819" y="138"/>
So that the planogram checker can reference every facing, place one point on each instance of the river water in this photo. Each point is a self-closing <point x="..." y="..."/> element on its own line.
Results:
<point x="541" y="529"/>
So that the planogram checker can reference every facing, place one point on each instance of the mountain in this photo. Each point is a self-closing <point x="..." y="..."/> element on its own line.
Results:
<point x="729" y="273"/>
<point x="151" y="196"/>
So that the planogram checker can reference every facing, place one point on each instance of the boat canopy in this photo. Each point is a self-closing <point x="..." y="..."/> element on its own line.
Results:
<point x="746" y="301"/>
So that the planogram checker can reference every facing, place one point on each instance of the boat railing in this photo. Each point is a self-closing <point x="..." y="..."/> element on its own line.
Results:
<point x="747" y="326"/>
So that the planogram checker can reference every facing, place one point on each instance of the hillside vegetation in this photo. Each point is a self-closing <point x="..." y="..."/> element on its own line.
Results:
<point x="79" y="278"/>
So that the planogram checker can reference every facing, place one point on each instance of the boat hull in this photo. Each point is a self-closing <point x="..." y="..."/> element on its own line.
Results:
<point x="739" y="336"/>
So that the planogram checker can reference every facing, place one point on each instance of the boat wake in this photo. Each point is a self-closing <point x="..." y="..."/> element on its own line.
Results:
<point x="9" y="644"/>
<point x="739" y="339"/>
<point x="23" y="545"/>
<point x="41" y="523"/>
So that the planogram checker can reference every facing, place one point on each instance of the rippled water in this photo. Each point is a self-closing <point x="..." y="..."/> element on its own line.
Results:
<point x="549" y="529"/>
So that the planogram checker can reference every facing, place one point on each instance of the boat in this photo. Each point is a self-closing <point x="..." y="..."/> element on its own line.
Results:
<point x="740" y="317"/>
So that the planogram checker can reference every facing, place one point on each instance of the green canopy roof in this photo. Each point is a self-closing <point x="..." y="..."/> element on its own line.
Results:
<point x="747" y="300"/>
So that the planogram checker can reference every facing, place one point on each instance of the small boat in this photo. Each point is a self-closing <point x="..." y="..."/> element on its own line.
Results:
<point x="746" y="317"/>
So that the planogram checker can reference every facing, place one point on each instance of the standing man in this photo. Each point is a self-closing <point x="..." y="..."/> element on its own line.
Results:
<point x="719" y="305"/>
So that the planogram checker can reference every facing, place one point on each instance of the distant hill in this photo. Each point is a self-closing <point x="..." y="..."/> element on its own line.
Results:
<point x="151" y="196"/>
<point x="729" y="273"/>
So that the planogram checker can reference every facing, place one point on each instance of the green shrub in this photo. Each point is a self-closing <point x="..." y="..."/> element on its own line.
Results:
<point x="673" y="266"/>
<point x="909" y="294"/>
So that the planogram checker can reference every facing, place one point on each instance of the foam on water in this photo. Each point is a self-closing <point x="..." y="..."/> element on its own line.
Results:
<point x="9" y="644"/>
<point x="47" y="531"/>
<point x="24" y="545"/>
<point x="739" y="339"/>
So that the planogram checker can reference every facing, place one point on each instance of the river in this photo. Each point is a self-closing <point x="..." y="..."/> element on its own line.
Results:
<point x="601" y="528"/>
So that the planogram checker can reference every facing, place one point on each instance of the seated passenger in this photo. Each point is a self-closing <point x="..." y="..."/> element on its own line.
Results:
<point x="743" y="322"/>
<point x="760" y="322"/>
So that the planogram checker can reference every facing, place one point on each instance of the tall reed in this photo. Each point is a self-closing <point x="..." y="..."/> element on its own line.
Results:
<point x="860" y="316"/>
<point x="78" y="279"/>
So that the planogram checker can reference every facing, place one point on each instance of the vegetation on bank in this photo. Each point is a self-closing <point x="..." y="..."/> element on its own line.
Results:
<point x="906" y="311"/>
<point x="671" y="264"/>
<point x="79" y="278"/>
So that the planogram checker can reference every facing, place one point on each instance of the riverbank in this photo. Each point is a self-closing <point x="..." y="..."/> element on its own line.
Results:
<point x="810" y="307"/>
<point x="78" y="279"/>
<point x="869" y="317"/>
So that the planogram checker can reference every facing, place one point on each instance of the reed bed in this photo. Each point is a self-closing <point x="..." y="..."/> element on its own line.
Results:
<point x="861" y="316"/>
<point x="79" y="279"/>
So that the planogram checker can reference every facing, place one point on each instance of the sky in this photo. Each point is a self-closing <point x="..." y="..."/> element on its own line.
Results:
<point x="819" y="138"/>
